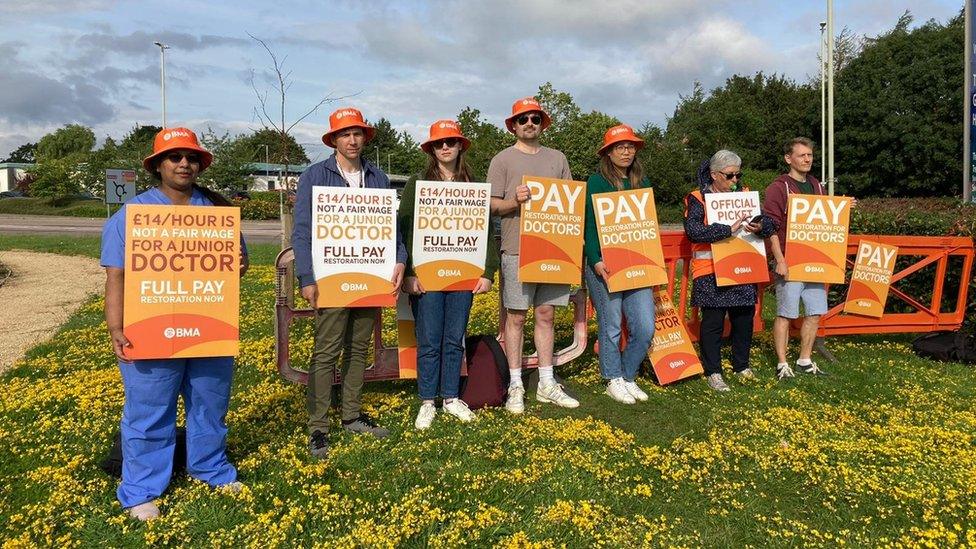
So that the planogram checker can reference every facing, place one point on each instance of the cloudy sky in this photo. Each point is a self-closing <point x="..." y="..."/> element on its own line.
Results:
<point x="93" y="62"/>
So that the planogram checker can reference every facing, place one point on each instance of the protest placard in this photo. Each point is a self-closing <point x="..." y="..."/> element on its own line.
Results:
<point x="630" y="239"/>
<point x="406" y="338"/>
<point x="182" y="281"/>
<point x="740" y="259"/>
<point x="354" y="246"/>
<point x="672" y="354"/>
<point x="871" y="279"/>
<point x="816" y="238"/>
<point x="551" y="231"/>
<point x="450" y="234"/>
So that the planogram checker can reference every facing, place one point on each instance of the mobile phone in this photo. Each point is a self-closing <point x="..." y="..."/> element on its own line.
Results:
<point x="757" y="219"/>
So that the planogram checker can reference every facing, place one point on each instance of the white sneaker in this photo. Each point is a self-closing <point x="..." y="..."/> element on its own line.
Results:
<point x="617" y="389"/>
<point x="716" y="382"/>
<point x="425" y="416"/>
<point x="784" y="371"/>
<point x="144" y="511"/>
<point x="635" y="391"/>
<point x="515" y="403"/>
<point x="459" y="409"/>
<point x="554" y="393"/>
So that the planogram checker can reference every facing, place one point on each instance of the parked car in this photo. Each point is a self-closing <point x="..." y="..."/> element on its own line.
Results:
<point x="11" y="194"/>
<point x="241" y="195"/>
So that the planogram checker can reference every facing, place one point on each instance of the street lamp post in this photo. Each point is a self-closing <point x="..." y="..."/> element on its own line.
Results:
<point x="830" y="97"/>
<point x="823" y="103"/>
<point x="162" y="75"/>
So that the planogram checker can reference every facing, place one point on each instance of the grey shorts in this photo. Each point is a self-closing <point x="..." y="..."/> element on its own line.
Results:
<point x="789" y="295"/>
<point x="520" y="296"/>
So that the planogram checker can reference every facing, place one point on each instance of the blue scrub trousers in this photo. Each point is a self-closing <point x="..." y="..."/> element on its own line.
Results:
<point x="149" y="423"/>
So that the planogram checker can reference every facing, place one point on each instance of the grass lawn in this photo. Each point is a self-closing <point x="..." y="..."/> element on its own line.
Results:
<point x="41" y="206"/>
<point x="880" y="453"/>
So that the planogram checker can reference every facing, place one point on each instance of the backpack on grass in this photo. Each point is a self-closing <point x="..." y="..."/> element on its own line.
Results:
<point x="487" y="381"/>
<point x="947" y="347"/>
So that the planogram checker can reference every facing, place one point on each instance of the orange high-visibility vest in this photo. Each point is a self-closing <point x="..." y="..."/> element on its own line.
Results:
<point x="701" y="252"/>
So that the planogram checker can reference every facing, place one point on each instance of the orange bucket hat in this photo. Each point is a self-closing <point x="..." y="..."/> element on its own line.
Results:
<point x="168" y="139"/>
<point x="344" y="118"/>
<point x="619" y="133"/>
<point x="445" y="129"/>
<point x="522" y="106"/>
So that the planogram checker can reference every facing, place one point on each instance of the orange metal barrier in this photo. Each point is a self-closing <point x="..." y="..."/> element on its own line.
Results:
<point x="677" y="254"/>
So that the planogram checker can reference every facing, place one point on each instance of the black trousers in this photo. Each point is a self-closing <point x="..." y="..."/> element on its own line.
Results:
<point x="710" y="337"/>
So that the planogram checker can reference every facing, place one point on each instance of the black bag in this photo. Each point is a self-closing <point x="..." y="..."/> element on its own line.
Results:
<point x="112" y="464"/>
<point x="487" y="381"/>
<point x="946" y="346"/>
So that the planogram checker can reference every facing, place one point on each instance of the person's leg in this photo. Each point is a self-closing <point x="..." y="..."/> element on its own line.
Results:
<point x="814" y="298"/>
<point x="808" y="333"/>
<point x="741" y="320"/>
<point x="148" y="428"/>
<point x="710" y="339"/>
<point x="428" y="314"/>
<point x="638" y="309"/>
<point x="358" y="338"/>
<point x="330" y="330"/>
<point x="206" y="396"/>
<point x="544" y="335"/>
<point x="547" y="297"/>
<point x="514" y="340"/>
<point x="457" y="307"/>
<point x="608" y="318"/>
<point x="787" y="308"/>
<point x="516" y="298"/>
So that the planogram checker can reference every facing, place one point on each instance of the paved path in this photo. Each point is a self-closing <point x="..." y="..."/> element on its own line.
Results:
<point x="254" y="231"/>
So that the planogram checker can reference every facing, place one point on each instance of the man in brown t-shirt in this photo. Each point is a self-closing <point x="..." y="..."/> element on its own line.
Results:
<point x="526" y="157"/>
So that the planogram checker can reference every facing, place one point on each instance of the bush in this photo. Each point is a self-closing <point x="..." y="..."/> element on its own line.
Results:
<point x="257" y="209"/>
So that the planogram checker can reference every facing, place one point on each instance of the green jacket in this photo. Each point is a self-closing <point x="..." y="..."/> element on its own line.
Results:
<point x="597" y="184"/>
<point x="405" y="221"/>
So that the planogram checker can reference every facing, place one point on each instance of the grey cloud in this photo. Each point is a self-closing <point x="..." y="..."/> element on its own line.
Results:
<point x="140" y="43"/>
<point x="26" y="8"/>
<point x="32" y="98"/>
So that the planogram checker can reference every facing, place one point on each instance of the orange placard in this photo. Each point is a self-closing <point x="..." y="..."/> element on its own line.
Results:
<point x="182" y="281"/>
<point x="816" y="238"/>
<point x="740" y="259"/>
<point x="551" y="229"/>
<point x="672" y="355"/>
<point x="630" y="240"/>
<point x="406" y="338"/>
<point x="871" y="279"/>
<point x="354" y="246"/>
<point x="450" y="234"/>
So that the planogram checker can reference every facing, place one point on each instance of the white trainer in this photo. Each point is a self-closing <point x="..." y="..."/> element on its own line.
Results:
<point x="515" y="403"/>
<point x="425" y="416"/>
<point x="459" y="409"/>
<point x="554" y="394"/>
<point x="635" y="391"/>
<point x="617" y="389"/>
<point x="716" y="382"/>
<point x="144" y="511"/>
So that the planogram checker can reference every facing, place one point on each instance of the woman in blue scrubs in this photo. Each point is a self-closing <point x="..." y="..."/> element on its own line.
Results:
<point x="152" y="387"/>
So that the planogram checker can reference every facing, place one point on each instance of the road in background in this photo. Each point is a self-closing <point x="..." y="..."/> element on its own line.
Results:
<point x="266" y="232"/>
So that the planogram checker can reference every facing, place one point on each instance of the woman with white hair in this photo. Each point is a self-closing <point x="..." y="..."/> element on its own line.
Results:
<point x="720" y="174"/>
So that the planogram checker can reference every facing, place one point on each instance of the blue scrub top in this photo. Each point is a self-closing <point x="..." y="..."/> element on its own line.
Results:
<point x="113" y="233"/>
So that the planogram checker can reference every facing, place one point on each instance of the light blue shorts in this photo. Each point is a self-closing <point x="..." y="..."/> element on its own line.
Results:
<point x="789" y="295"/>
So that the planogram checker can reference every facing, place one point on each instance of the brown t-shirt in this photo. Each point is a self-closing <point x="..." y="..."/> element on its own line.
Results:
<point x="505" y="175"/>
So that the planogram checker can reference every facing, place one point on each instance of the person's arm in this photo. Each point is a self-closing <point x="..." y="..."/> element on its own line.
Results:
<point x="498" y="179"/>
<point x="591" y="236"/>
<point x="781" y="268"/>
<point x="492" y="261"/>
<point x="698" y="231"/>
<point x="114" y="301"/>
<point x="301" y="238"/>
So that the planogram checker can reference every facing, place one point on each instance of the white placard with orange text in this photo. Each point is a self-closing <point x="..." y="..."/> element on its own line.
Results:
<point x="450" y="234"/>
<point x="741" y="258"/>
<point x="354" y="246"/>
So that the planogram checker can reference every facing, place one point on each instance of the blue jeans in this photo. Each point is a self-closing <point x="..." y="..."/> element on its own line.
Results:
<point x="441" y="320"/>
<point x="638" y="307"/>
<point x="149" y="423"/>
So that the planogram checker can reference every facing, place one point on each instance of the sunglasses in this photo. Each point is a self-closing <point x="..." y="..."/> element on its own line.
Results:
<point x="526" y="118"/>
<point x="450" y="142"/>
<point x="176" y="158"/>
<point x="621" y="147"/>
<point x="733" y="175"/>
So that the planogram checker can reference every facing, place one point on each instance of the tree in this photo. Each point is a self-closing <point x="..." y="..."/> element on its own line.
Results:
<point x="897" y="113"/>
<point x="486" y="139"/>
<point x="276" y="155"/>
<point x="54" y="178"/>
<point x="231" y="157"/>
<point x="25" y="154"/>
<point x="395" y="151"/>
<point x="71" y="141"/>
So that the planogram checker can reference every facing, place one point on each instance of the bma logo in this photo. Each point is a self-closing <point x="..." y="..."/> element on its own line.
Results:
<point x="742" y="270"/>
<point x="354" y="287"/>
<point x="676" y="364"/>
<point x="170" y="333"/>
<point x="445" y="125"/>
<point x="548" y="267"/>
<point x="448" y="272"/>
<point x="343" y="113"/>
<point x="175" y="133"/>
<point x="615" y="131"/>
<point x="635" y="273"/>
<point x="814" y="269"/>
